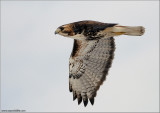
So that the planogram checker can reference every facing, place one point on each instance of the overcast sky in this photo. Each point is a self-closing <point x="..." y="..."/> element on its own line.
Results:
<point x="34" y="62"/>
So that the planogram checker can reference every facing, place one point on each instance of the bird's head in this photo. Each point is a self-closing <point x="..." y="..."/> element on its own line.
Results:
<point x="65" y="30"/>
<point x="74" y="30"/>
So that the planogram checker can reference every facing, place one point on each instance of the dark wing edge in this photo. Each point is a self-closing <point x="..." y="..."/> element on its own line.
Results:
<point x="89" y="65"/>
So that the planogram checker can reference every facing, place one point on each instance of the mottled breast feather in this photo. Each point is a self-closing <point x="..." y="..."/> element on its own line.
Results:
<point x="88" y="67"/>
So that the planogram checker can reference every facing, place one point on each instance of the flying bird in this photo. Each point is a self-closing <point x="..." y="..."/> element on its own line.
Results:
<point x="92" y="54"/>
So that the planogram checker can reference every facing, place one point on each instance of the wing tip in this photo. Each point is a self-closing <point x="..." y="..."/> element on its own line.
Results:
<point x="74" y="95"/>
<point x="79" y="98"/>
<point x="91" y="100"/>
<point x="85" y="101"/>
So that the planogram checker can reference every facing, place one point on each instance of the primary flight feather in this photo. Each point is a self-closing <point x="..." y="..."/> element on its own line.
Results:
<point x="92" y="54"/>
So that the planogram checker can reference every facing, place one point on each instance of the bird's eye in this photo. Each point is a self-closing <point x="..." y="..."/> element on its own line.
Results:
<point x="61" y="28"/>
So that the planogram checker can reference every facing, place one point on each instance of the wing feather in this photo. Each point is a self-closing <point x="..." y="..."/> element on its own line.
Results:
<point x="88" y="67"/>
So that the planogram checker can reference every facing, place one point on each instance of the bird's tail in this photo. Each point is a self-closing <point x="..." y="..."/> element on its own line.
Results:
<point x="129" y="30"/>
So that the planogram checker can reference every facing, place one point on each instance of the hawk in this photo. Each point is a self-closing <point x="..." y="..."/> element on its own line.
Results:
<point x="92" y="54"/>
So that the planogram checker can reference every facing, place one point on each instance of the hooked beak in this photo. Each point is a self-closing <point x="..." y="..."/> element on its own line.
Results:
<point x="57" y="31"/>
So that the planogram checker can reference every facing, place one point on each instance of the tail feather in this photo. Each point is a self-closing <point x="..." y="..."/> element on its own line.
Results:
<point x="129" y="30"/>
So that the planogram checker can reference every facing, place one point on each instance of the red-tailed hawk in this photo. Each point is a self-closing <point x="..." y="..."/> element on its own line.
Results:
<point x="92" y="54"/>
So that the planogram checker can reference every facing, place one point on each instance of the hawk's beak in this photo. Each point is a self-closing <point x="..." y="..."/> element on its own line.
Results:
<point x="57" y="31"/>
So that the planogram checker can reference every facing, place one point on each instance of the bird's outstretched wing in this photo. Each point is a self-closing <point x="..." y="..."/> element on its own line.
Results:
<point x="88" y="66"/>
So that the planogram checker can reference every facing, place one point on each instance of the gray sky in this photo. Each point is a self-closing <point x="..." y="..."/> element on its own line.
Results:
<point x="34" y="62"/>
